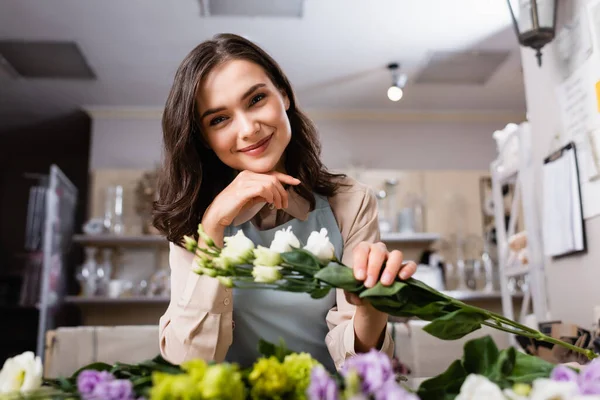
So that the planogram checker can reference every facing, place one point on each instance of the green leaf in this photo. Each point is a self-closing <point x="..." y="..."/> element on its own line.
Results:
<point x="427" y="312"/>
<point x="480" y="356"/>
<point x="444" y="386"/>
<point x="391" y="302"/>
<point x="529" y="368"/>
<point x="379" y="290"/>
<point x="504" y="366"/>
<point x="301" y="259"/>
<point x="319" y="293"/>
<point x="455" y="325"/>
<point x="296" y="286"/>
<point x="417" y="283"/>
<point x="268" y="349"/>
<point x="339" y="276"/>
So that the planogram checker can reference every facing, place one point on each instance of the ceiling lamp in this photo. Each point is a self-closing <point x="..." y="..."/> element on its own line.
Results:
<point x="536" y="26"/>
<point x="395" y="91"/>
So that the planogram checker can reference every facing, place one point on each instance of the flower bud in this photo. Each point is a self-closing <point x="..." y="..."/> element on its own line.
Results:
<point x="264" y="256"/>
<point x="190" y="243"/>
<point x="266" y="274"/>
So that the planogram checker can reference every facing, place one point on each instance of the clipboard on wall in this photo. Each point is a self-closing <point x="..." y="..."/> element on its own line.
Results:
<point x="563" y="226"/>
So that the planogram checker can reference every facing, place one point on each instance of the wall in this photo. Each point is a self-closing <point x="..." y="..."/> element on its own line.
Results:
<point x="572" y="282"/>
<point x="375" y="141"/>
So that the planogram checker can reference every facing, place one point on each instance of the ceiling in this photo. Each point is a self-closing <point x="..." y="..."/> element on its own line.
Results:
<point x="335" y="54"/>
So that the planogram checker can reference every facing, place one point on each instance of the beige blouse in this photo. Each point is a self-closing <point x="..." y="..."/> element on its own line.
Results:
<point x="198" y="322"/>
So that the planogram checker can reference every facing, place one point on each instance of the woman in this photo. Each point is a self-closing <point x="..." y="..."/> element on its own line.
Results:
<point x="239" y="154"/>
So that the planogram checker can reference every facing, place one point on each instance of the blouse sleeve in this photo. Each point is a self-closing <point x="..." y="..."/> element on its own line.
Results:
<point x="356" y="213"/>
<point x="198" y="322"/>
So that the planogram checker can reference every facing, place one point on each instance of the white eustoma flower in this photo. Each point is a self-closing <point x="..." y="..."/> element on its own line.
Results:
<point x="318" y="244"/>
<point x="547" y="389"/>
<point x="22" y="373"/>
<point x="238" y="248"/>
<point x="478" y="387"/>
<point x="284" y="241"/>
<point x="266" y="274"/>
<point x="267" y="257"/>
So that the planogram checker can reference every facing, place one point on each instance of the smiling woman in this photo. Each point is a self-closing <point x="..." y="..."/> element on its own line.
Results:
<point x="240" y="157"/>
<point x="243" y="117"/>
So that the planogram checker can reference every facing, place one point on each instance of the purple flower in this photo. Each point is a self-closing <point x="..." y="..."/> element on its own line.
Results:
<point x="322" y="386"/>
<point x="589" y="378"/>
<point x="120" y="389"/>
<point x="88" y="379"/>
<point x="373" y="368"/>
<point x="393" y="391"/>
<point x="562" y="373"/>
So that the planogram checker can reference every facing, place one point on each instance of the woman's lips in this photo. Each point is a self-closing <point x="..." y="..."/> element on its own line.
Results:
<point x="257" y="148"/>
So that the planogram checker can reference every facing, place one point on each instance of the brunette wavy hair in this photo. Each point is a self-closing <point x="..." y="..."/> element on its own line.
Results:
<point x="192" y="175"/>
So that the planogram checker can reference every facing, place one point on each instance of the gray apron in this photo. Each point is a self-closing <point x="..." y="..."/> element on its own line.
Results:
<point x="294" y="317"/>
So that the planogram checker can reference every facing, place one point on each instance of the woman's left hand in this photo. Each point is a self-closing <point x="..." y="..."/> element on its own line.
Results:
<point x="368" y="260"/>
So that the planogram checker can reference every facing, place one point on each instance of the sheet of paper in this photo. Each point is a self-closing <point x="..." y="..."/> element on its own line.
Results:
<point x="578" y="109"/>
<point x="573" y="42"/>
<point x="562" y="223"/>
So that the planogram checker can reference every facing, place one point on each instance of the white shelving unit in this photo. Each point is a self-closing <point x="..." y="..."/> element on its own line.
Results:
<point x="99" y="300"/>
<point x="121" y="240"/>
<point x="522" y="175"/>
<point x="423" y="238"/>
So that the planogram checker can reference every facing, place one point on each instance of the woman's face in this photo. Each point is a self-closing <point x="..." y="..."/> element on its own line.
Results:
<point x="243" y="117"/>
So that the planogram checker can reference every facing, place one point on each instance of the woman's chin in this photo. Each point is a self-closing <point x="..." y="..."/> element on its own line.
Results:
<point x="261" y="166"/>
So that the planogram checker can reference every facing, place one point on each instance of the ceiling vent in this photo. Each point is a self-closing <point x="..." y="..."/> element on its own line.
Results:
<point x="461" y="68"/>
<point x="252" y="8"/>
<point x="44" y="60"/>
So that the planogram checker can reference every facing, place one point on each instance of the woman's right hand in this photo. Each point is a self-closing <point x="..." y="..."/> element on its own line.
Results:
<point x="246" y="190"/>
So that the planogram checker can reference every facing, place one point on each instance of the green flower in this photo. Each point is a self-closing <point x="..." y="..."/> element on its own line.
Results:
<point x="223" y="381"/>
<point x="266" y="257"/>
<point x="522" y="389"/>
<point x="268" y="379"/>
<point x="353" y="385"/>
<point x="174" y="387"/>
<point x="298" y="368"/>
<point x="195" y="369"/>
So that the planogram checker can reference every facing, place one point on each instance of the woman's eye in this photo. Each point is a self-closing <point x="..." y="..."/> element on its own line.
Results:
<point x="257" y="98"/>
<point x="216" y="120"/>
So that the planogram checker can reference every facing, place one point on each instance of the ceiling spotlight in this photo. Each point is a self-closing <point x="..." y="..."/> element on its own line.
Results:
<point x="395" y="91"/>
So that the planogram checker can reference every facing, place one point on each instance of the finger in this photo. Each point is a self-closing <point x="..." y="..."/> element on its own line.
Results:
<point x="259" y="191"/>
<point x="290" y="180"/>
<point x="360" y="256"/>
<point x="407" y="270"/>
<point x="377" y="257"/>
<point x="392" y="267"/>
<point x="279" y="193"/>
<point x="282" y="192"/>
<point x="277" y="201"/>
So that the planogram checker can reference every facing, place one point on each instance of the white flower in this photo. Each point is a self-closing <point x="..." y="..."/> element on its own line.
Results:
<point x="319" y="244"/>
<point x="21" y="373"/>
<point x="264" y="256"/>
<point x="284" y="241"/>
<point x="547" y="389"/>
<point x="266" y="274"/>
<point x="477" y="387"/>
<point x="238" y="249"/>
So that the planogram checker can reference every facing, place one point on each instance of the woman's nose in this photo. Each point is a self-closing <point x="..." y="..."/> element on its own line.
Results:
<point x="248" y="126"/>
